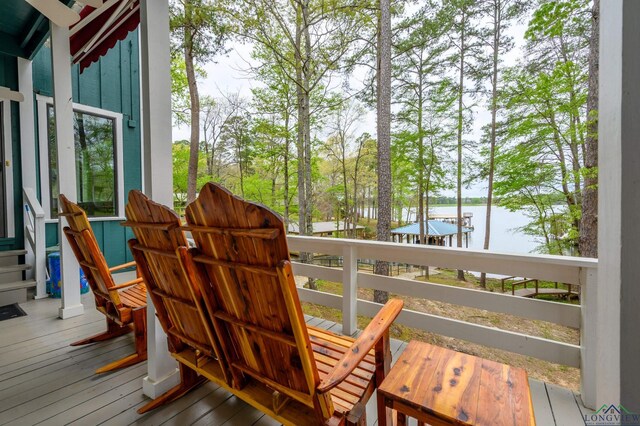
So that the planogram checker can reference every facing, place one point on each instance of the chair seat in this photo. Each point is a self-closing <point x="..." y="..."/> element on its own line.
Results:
<point x="328" y="348"/>
<point x="134" y="296"/>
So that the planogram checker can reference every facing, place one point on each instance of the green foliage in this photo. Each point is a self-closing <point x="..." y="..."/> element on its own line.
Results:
<point x="542" y="167"/>
<point x="314" y="58"/>
<point x="197" y="25"/>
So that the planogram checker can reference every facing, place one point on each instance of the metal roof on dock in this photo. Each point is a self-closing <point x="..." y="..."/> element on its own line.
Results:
<point x="323" y="227"/>
<point x="437" y="228"/>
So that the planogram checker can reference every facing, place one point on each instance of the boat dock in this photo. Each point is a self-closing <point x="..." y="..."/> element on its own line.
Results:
<point x="453" y="218"/>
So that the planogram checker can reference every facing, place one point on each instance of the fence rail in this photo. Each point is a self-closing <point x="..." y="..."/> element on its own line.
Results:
<point x="576" y="271"/>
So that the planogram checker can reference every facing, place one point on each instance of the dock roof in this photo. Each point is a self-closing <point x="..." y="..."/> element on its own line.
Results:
<point x="322" y="227"/>
<point x="437" y="228"/>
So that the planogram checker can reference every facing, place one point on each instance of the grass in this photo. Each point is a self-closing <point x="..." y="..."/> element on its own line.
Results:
<point x="564" y="376"/>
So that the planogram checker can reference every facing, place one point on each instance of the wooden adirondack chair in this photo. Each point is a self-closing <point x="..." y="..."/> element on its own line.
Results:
<point x="124" y="305"/>
<point x="179" y="306"/>
<point x="266" y="355"/>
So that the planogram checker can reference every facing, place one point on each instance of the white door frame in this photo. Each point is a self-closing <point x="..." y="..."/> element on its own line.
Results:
<point x="7" y="166"/>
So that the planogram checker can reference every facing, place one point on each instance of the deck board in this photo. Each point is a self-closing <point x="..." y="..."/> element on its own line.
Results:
<point x="541" y="404"/>
<point x="564" y="406"/>
<point x="43" y="379"/>
<point x="531" y="292"/>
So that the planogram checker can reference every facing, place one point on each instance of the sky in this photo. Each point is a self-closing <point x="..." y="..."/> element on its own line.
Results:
<point x="228" y="74"/>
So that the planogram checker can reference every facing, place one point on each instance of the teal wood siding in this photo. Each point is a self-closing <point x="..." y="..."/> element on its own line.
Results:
<point x="9" y="78"/>
<point x="111" y="236"/>
<point x="112" y="83"/>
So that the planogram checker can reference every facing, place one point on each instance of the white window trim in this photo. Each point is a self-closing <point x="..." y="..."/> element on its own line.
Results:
<point x="42" y="102"/>
<point x="8" y="168"/>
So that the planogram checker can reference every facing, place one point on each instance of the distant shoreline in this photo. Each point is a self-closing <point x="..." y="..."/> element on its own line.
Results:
<point x="455" y="205"/>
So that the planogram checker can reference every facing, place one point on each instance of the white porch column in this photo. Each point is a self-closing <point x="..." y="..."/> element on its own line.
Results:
<point x="28" y="153"/>
<point x="27" y="124"/>
<point x="162" y="373"/>
<point x="29" y="175"/>
<point x="619" y="164"/>
<point x="63" y="106"/>
<point x="618" y="315"/>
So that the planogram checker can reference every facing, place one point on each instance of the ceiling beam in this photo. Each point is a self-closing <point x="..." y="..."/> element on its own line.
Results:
<point x="11" y="46"/>
<point x="37" y="22"/>
<point x="57" y="12"/>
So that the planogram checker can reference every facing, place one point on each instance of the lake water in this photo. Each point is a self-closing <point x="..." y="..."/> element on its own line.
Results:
<point x="504" y="234"/>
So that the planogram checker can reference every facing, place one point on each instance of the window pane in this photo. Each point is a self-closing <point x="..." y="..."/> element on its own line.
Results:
<point x="95" y="163"/>
<point x="94" y="138"/>
<point x="53" y="161"/>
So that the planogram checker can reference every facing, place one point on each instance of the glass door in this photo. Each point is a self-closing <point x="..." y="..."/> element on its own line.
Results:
<point x="3" y="204"/>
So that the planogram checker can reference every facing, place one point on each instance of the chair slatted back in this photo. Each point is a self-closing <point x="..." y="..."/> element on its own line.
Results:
<point x="87" y="251"/>
<point x="179" y="305"/>
<point x="243" y="265"/>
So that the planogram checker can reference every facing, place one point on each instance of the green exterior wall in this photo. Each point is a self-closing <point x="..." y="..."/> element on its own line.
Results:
<point x="112" y="83"/>
<point x="9" y="78"/>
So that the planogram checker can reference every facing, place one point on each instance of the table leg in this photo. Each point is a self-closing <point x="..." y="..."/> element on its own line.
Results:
<point x="402" y="419"/>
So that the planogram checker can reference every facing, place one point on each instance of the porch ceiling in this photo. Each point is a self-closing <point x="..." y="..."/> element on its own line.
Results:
<point x="22" y="28"/>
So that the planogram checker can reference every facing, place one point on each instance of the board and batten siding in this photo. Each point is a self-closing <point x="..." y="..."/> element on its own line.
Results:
<point x="113" y="84"/>
<point x="9" y="78"/>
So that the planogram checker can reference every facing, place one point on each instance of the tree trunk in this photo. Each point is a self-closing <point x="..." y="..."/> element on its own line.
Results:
<point x="384" y="137"/>
<point x="306" y="118"/>
<point x="303" y="116"/>
<point x="421" y="164"/>
<point x="570" y="197"/>
<point x="494" y="110"/>
<point x="347" y="209"/>
<point x="369" y="202"/>
<point x="588" y="243"/>
<point x="286" y="171"/>
<point x="240" y="168"/>
<point x="194" y="146"/>
<point x="460" y="128"/>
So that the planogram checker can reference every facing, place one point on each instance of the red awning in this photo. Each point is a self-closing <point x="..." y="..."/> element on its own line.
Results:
<point x="100" y="29"/>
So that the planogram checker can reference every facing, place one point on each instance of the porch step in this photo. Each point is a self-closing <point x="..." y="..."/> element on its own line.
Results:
<point x="17" y="285"/>
<point x="15" y="292"/>
<point x="10" y="271"/>
<point x="9" y="253"/>
<point x="14" y="268"/>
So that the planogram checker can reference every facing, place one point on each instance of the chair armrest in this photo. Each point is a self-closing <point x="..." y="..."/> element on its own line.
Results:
<point x="123" y="266"/>
<point x="127" y="284"/>
<point x="363" y="344"/>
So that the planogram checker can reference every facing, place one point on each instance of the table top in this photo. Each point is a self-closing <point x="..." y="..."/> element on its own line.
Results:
<point x="459" y="388"/>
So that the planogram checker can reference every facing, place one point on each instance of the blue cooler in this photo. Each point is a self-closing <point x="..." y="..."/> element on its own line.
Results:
<point x="84" y="283"/>
<point x="53" y="285"/>
<point x="54" y="273"/>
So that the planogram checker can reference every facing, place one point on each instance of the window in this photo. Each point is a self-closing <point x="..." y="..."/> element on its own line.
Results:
<point x="98" y="147"/>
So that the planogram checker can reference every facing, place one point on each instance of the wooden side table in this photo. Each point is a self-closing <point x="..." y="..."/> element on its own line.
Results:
<point x="439" y="386"/>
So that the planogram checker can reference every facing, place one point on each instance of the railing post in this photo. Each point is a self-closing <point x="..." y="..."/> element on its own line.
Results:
<point x="40" y="257"/>
<point x="349" y="289"/>
<point x="29" y="239"/>
<point x="34" y="237"/>
<point x="589" y="363"/>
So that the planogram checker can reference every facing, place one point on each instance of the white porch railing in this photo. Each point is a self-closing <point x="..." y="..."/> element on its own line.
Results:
<point x="581" y="272"/>
<point x="34" y="235"/>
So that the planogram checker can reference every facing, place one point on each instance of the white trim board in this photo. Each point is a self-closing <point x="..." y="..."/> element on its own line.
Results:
<point x="8" y="168"/>
<point x="42" y="102"/>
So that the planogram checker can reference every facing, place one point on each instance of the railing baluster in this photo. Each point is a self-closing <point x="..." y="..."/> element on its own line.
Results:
<point x="35" y="237"/>
<point x="349" y="289"/>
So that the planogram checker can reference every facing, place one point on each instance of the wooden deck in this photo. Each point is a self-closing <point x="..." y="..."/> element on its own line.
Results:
<point x="531" y="292"/>
<point x="45" y="381"/>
